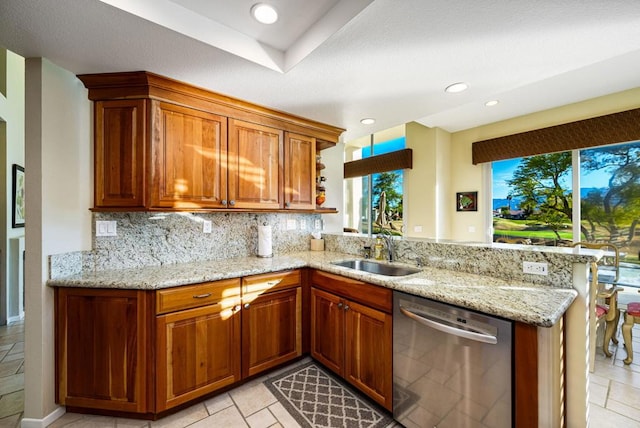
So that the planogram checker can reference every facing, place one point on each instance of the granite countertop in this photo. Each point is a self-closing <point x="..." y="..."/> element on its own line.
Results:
<point x="515" y="300"/>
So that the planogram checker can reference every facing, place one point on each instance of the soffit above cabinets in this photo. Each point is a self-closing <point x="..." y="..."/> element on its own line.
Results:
<point x="302" y="26"/>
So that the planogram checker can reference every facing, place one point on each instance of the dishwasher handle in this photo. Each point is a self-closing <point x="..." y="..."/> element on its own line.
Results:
<point x="479" y="337"/>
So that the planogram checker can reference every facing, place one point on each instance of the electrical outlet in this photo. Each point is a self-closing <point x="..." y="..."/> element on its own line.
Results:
<point x="317" y="224"/>
<point x="291" y="224"/>
<point x="303" y="224"/>
<point x="535" y="268"/>
<point x="206" y="226"/>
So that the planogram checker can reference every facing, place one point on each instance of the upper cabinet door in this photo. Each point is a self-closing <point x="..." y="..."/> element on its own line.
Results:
<point x="255" y="156"/>
<point x="120" y="136"/>
<point x="299" y="172"/>
<point x="189" y="158"/>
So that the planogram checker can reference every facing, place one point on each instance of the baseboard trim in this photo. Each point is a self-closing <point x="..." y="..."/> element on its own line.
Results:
<point x="44" y="422"/>
<point x="15" y="318"/>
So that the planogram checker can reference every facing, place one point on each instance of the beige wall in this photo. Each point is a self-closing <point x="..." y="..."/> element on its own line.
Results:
<point x="59" y="192"/>
<point x="466" y="176"/>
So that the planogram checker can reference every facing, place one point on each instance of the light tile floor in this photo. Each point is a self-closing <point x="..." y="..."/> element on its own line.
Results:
<point x="11" y="374"/>
<point x="614" y="388"/>
<point x="614" y="396"/>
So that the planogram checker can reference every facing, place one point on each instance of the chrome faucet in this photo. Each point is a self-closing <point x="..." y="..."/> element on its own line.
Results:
<point x="388" y="240"/>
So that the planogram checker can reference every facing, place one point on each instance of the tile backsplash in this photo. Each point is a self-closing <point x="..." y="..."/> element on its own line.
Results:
<point x="154" y="239"/>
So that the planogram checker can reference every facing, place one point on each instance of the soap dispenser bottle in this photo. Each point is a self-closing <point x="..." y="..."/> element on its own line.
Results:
<point x="378" y="249"/>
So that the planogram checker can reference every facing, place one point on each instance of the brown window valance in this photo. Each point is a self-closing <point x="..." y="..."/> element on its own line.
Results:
<point x="598" y="131"/>
<point x="399" y="159"/>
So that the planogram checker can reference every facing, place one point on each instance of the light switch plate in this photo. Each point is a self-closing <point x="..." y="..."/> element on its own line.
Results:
<point x="206" y="226"/>
<point x="317" y="224"/>
<point x="106" y="228"/>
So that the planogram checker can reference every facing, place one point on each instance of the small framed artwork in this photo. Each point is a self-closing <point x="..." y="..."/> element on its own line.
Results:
<point x="467" y="201"/>
<point x="17" y="217"/>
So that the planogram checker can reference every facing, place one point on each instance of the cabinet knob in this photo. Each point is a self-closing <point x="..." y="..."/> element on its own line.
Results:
<point x="232" y="202"/>
<point x="224" y="202"/>
<point x="340" y="305"/>
<point x="346" y="307"/>
<point x="287" y="204"/>
<point x="246" y="306"/>
<point x="236" y="308"/>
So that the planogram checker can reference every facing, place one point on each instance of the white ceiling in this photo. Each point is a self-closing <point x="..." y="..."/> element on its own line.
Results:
<point x="338" y="61"/>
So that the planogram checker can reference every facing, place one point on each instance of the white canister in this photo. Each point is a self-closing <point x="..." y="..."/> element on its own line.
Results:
<point x="265" y="244"/>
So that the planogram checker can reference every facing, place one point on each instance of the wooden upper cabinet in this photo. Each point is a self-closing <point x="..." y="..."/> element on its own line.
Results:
<point x="120" y="135"/>
<point x="299" y="172"/>
<point x="255" y="157"/>
<point x="161" y="144"/>
<point x="189" y="158"/>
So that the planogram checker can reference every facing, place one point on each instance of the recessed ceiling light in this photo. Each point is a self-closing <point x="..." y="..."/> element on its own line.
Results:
<point x="264" y="13"/>
<point x="456" y="87"/>
<point x="491" y="103"/>
<point x="368" y="121"/>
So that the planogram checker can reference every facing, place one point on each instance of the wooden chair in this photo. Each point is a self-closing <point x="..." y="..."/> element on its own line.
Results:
<point x="603" y="302"/>
<point x="631" y="317"/>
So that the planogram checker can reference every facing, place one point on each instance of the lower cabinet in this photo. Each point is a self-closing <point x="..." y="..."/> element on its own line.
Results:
<point x="145" y="352"/>
<point x="103" y="348"/>
<point x="354" y="339"/>
<point x="197" y="349"/>
<point x="271" y="321"/>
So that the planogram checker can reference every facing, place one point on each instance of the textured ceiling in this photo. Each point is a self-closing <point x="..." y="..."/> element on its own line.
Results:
<point x="387" y="59"/>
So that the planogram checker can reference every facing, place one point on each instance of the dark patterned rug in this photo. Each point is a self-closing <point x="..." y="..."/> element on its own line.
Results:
<point x="315" y="398"/>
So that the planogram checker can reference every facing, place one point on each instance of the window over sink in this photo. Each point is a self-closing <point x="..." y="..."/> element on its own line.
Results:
<point x="374" y="201"/>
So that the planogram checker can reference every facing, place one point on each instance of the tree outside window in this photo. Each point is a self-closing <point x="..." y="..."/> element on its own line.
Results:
<point x="533" y="199"/>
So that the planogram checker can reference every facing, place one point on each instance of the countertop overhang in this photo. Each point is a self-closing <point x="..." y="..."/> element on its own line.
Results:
<point x="533" y="304"/>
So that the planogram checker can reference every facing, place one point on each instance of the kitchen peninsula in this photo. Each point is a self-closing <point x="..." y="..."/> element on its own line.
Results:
<point x="536" y="305"/>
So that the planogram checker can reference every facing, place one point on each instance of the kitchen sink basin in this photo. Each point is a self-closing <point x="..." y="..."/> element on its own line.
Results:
<point x="377" y="268"/>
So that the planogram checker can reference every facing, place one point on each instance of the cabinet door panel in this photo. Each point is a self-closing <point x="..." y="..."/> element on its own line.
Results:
<point x="254" y="162"/>
<point x="198" y="351"/>
<point x="327" y="329"/>
<point x="189" y="158"/>
<point x="368" y="359"/>
<point x="119" y="145"/>
<point x="300" y="171"/>
<point x="101" y="349"/>
<point x="271" y="330"/>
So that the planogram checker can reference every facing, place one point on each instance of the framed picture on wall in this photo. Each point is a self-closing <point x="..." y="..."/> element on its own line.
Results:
<point x="17" y="217"/>
<point x="467" y="201"/>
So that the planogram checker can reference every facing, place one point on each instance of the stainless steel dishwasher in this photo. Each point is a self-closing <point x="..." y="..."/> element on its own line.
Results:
<point x="451" y="366"/>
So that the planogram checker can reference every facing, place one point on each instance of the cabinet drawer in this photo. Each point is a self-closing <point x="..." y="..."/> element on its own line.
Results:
<point x="193" y="296"/>
<point x="268" y="282"/>
<point x="361" y="292"/>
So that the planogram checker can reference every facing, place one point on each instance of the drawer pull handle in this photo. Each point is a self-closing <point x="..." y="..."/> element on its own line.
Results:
<point x="202" y="296"/>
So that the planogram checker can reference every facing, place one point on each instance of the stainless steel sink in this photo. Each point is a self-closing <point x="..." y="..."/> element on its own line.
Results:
<point x="377" y="268"/>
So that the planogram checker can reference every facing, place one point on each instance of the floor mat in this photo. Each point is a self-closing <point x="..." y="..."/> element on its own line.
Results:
<point x="315" y="398"/>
